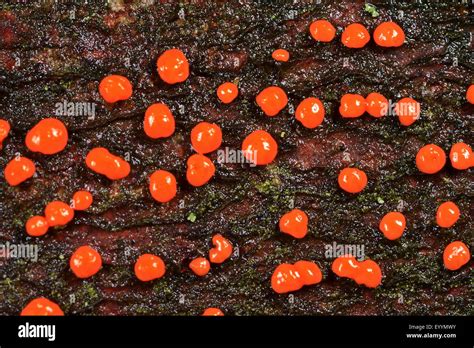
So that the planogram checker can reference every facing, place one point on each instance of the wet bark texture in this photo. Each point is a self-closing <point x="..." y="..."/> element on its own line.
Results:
<point x="52" y="53"/>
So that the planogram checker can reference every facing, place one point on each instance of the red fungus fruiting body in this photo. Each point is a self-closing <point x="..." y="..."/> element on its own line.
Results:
<point x="222" y="249"/>
<point x="41" y="306"/>
<point x="272" y="100"/>
<point x="18" y="170"/>
<point x="114" y="88"/>
<point x="101" y="161"/>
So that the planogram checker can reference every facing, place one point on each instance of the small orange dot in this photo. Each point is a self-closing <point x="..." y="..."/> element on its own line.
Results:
<point x="430" y="159"/>
<point x="368" y="274"/>
<point x="272" y="100"/>
<point x="85" y="262"/>
<point x="470" y="94"/>
<point x="377" y="105"/>
<point x="281" y="55"/>
<point x="163" y="186"/>
<point x="285" y="279"/>
<point x="322" y="30"/>
<point x="173" y="67"/>
<point x="48" y="136"/>
<point x="206" y="137"/>
<point x="355" y="36"/>
<point x="200" y="266"/>
<point x="213" y="312"/>
<point x="345" y="266"/>
<point x="159" y="121"/>
<point x="352" y="105"/>
<point x="447" y="214"/>
<point x="114" y="88"/>
<point x="259" y="147"/>
<point x="310" y="112"/>
<point x="408" y="111"/>
<point x="393" y="225"/>
<point x="41" y="306"/>
<point x="82" y="200"/>
<point x="149" y="267"/>
<point x="309" y="272"/>
<point x="200" y="170"/>
<point x="294" y="223"/>
<point x="58" y="213"/>
<point x="461" y="156"/>
<point x="4" y="130"/>
<point x="18" y="170"/>
<point x="37" y="226"/>
<point x="389" y="34"/>
<point x="222" y="249"/>
<point x="352" y="180"/>
<point x="227" y="92"/>
<point x="456" y="255"/>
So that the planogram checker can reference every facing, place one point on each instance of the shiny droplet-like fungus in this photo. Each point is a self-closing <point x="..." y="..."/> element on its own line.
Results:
<point x="101" y="161"/>
<point x="41" y="306"/>
<point x="352" y="180"/>
<point x="4" y="130"/>
<point x="173" y="67"/>
<point x="200" y="170"/>
<point x="163" y="186"/>
<point x="461" y="156"/>
<point x="393" y="225"/>
<point x="310" y="112"/>
<point x="36" y="226"/>
<point x="82" y="200"/>
<point x="322" y="30"/>
<point x="272" y="100"/>
<point x="222" y="249"/>
<point x="456" y="255"/>
<point x="355" y="35"/>
<point x="389" y="34"/>
<point x="18" y="170"/>
<point x="85" y="262"/>
<point x="48" y="136"/>
<point x="408" y="111"/>
<point x="447" y="214"/>
<point x="352" y="105"/>
<point x="259" y="147"/>
<point x="149" y="267"/>
<point x="114" y="88"/>
<point x="227" y="92"/>
<point x="430" y="159"/>
<point x="200" y="266"/>
<point x="294" y="223"/>
<point x="159" y="121"/>
<point x="206" y="137"/>
<point x="58" y="213"/>
<point x="281" y="55"/>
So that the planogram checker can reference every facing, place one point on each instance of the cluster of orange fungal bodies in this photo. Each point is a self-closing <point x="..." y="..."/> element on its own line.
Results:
<point x="221" y="251"/>
<point x="57" y="213"/>
<point x="431" y="158"/>
<point x="50" y="136"/>
<point x="355" y="35"/>
<point x="289" y="278"/>
<point x="376" y="105"/>
<point x="366" y="273"/>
